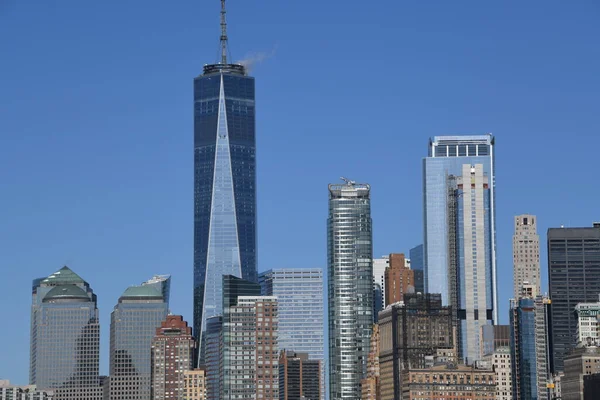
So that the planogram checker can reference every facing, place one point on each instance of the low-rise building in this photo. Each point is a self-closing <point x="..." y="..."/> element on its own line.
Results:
<point x="448" y="382"/>
<point x="194" y="384"/>
<point x="580" y="362"/>
<point x="28" y="392"/>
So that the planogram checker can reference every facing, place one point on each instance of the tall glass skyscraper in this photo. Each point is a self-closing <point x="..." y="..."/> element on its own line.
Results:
<point x="65" y="336"/>
<point x="224" y="182"/>
<point x="350" y="287"/>
<point x="133" y="324"/>
<point x="447" y="156"/>
<point x="299" y="293"/>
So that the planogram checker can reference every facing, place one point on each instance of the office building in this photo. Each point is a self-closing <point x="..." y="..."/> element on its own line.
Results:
<point x="133" y="323"/>
<point x="379" y="266"/>
<point x="29" y="392"/>
<point x="370" y="384"/>
<point x="250" y="354"/>
<point x="448" y="157"/>
<point x="448" y="382"/>
<point x="162" y="283"/>
<point x="529" y="320"/>
<point x="194" y="384"/>
<point x="224" y="181"/>
<point x="172" y="355"/>
<point x="299" y="293"/>
<point x="214" y="349"/>
<point x="526" y="254"/>
<point x="399" y="279"/>
<point x="299" y="377"/>
<point x="573" y="278"/>
<point x="65" y="336"/>
<point x="350" y="287"/>
<point x="587" y="315"/>
<point x="417" y="265"/>
<point x="410" y="332"/>
<point x="580" y="362"/>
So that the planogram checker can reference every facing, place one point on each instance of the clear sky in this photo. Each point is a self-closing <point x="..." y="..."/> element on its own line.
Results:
<point x="96" y="145"/>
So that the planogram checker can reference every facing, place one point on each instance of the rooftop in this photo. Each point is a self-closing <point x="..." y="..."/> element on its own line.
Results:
<point x="144" y="291"/>
<point x="70" y="292"/>
<point x="63" y="276"/>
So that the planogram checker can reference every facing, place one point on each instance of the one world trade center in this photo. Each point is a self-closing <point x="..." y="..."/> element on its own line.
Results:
<point x="224" y="182"/>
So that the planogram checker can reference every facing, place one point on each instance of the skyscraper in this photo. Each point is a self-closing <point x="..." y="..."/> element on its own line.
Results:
<point x="447" y="157"/>
<point x="299" y="293"/>
<point x="529" y="321"/>
<point x="133" y="324"/>
<point x="65" y="336"/>
<point x="573" y="278"/>
<point x="172" y="355"/>
<point x="526" y="254"/>
<point x="350" y="287"/>
<point x="224" y="182"/>
<point x="471" y="273"/>
<point x="379" y="266"/>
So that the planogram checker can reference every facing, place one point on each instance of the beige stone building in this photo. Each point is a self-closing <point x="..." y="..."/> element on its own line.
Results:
<point x="194" y="383"/>
<point x="526" y="255"/>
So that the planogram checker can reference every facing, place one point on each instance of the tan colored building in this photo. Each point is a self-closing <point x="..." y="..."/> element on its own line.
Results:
<point x="580" y="362"/>
<point x="370" y="385"/>
<point x="500" y="359"/>
<point x="526" y="255"/>
<point x="194" y="384"/>
<point x="399" y="279"/>
<point x="445" y="382"/>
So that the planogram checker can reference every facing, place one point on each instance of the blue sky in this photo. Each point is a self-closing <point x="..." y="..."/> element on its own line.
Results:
<point x="96" y="129"/>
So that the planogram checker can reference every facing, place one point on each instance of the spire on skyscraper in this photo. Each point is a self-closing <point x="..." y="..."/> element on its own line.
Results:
<point x="223" y="34"/>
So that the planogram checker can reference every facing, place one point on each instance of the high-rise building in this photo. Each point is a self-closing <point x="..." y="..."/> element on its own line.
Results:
<point x="580" y="362"/>
<point x="194" y="384"/>
<point x="299" y="377"/>
<point x="573" y="278"/>
<point x="472" y="277"/>
<point x="588" y="315"/>
<point x="65" y="336"/>
<point x="379" y="266"/>
<point x="370" y="385"/>
<point x="494" y="337"/>
<point x="162" y="283"/>
<point x="350" y="287"/>
<point x="409" y="332"/>
<point x="526" y="254"/>
<point x="250" y="355"/>
<point x="500" y="360"/>
<point x="133" y="323"/>
<point x="172" y="355"/>
<point x="299" y="293"/>
<point x="529" y="320"/>
<point x="399" y="279"/>
<point x="591" y="387"/>
<point x="417" y="265"/>
<point x="224" y="182"/>
<point x="214" y="349"/>
<point x="459" y="232"/>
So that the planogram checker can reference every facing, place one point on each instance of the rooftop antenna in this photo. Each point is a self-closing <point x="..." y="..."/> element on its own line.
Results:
<point x="223" y="34"/>
<point x="348" y="181"/>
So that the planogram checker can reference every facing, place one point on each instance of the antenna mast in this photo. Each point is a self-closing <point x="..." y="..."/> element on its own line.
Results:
<point x="223" y="34"/>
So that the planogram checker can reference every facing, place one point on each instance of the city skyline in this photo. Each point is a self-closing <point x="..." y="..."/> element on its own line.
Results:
<point x="96" y="226"/>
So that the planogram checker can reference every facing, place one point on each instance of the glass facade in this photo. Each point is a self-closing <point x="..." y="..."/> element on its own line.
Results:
<point x="447" y="156"/>
<point x="133" y="324"/>
<point x="224" y="185"/>
<point x="417" y="265"/>
<point x="65" y="334"/>
<point x="573" y="278"/>
<point x="522" y="321"/>
<point x="350" y="287"/>
<point x="299" y="293"/>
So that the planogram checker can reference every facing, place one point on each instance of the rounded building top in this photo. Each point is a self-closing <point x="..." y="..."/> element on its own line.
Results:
<point x="66" y="292"/>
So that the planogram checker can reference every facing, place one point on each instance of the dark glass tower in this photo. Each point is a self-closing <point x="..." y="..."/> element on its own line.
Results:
<point x="224" y="182"/>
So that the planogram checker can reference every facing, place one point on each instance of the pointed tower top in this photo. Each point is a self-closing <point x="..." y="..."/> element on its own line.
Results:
<point x="223" y="34"/>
